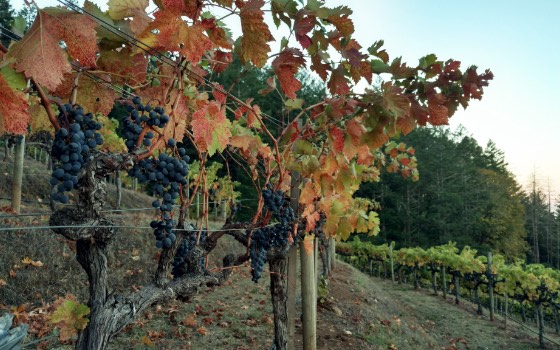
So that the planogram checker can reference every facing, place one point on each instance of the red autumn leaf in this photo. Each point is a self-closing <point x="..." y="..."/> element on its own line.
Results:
<point x="211" y="128"/>
<point x="188" y="8"/>
<point x="216" y="34"/>
<point x="218" y="95"/>
<point x="419" y="113"/>
<point x="256" y="35"/>
<point x="39" y="55"/>
<point x="285" y="66"/>
<point x="355" y="130"/>
<point x="338" y="84"/>
<point x="221" y="61"/>
<point x="337" y="137"/>
<point x="451" y="66"/>
<point x="437" y="109"/>
<point x="303" y="24"/>
<point x="174" y="34"/>
<point x="14" y="110"/>
<point x="195" y="43"/>
<point x="319" y="67"/>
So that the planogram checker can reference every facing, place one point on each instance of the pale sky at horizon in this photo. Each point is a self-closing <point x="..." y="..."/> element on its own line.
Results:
<point x="518" y="40"/>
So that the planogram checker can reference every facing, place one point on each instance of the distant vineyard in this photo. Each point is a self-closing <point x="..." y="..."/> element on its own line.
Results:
<point x="517" y="287"/>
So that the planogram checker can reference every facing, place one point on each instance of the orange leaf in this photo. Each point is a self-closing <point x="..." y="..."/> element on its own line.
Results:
<point x="76" y="30"/>
<point x="308" y="244"/>
<point x="437" y="109"/>
<point x="256" y="34"/>
<point x="39" y="55"/>
<point x="308" y="194"/>
<point x="211" y="128"/>
<point x="190" y="321"/>
<point x="202" y="331"/>
<point x="2" y="283"/>
<point x="14" y="110"/>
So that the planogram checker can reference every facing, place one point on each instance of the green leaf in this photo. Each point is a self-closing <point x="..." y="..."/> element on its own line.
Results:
<point x="18" y="25"/>
<point x="294" y="103"/>
<point x="427" y="61"/>
<point x="70" y="318"/>
<point x="378" y="66"/>
<point x="14" y="79"/>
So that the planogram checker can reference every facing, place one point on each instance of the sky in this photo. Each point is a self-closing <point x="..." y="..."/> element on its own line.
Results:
<point x="518" y="40"/>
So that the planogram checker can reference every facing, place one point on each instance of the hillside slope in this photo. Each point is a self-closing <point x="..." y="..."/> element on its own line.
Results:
<point x="359" y="311"/>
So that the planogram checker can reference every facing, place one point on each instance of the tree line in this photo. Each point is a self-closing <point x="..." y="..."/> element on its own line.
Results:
<point x="466" y="193"/>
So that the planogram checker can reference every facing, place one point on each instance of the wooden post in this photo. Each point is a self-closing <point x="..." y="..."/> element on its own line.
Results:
<point x="332" y="245"/>
<point x="443" y="282"/>
<point x="118" y="184"/>
<point x="17" y="175"/>
<point x="490" y="286"/>
<point x="292" y="265"/>
<point x="540" y="322"/>
<point x="392" y="264"/>
<point x="506" y="311"/>
<point x="309" y="301"/>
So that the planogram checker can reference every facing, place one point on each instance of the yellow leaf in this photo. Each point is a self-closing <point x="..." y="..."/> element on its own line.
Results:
<point x="308" y="242"/>
<point x="37" y="263"/>
<point x="147" y="341"/>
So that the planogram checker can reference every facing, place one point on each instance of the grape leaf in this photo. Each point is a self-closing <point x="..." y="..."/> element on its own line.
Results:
<point x="286" y="66"/>
<point x="337" y="137"/>
<point x="76" y="30"/>
<point x="70" y="318"/>
<point x="304" y="23"/>
<point x="217" y="35"/>
<point x="14" y="110"/>
<point x="437" y="109"/>
<point x="221" y="61"/>
<point x="127" y="67"/>
<point x="14" y="79"/>
<point x="39" y="56"/>
<point x="256" y="35"/>
<point x="338" y="84"/>
<point x="211" y="128"/>
<point x="343" y="24"/>
<point x="121" y="9"/>
<point x="170" y="32"/>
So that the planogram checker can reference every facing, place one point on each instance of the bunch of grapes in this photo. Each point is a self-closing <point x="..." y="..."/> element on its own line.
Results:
<point x="139" y="116"/>
<point x="74" y="145"/>
<point x="184" y="249"/>
<point x="272" y="236"/>
<point x="165" y="174"/>
<point x="276" y="203"/>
